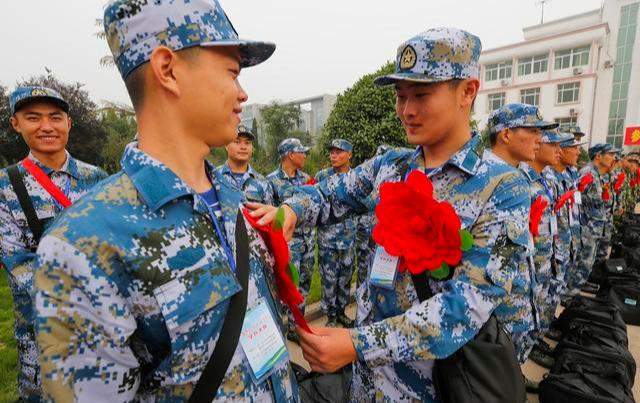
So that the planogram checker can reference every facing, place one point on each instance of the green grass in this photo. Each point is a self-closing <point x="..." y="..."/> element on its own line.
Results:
<point x="8" y="353"/>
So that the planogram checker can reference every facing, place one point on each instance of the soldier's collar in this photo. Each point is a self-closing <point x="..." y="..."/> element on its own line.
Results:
<point x="467" y="158"/>
<point x="226" y="169"/>
<point x="155" y="182"/>
<point x="69" y="167"/>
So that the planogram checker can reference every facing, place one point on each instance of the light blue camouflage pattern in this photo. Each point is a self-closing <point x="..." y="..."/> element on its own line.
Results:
<point x="336" y="258"/>
<point x="17" y="252"/>
<point x="397" y="337"/>
<point x="599" y="148"/>
<point x="23" y="95"/>
<point x="302" y="245"/>
<point x="577" y="276"/>
<point x="602" y="249"/>
<point x="574" y="130"/>
<point x="551" y="136"/>
<point x="132" y="289"/>
<point x="134" y="28"/>
<point x="511" y="116"/>
<point x="341" y="144"/>
<point x="437" y="54"/>
<point x="291" y="145"/>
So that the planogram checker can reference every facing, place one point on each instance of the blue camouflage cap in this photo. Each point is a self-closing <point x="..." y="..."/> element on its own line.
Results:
<point x="23" y="95"/>
<point x="438" y="54"/>
<point x="600" y="148"/>
<point x="575" y="130"/>
<point x="511" y="116"/>
<point x="551" y="136"/>
<point x="134" y="28"/>
<point x="341" y="144"/>
<point x="291" y="145"/>
<point x="570" y="140"/>
<point x="245" y="132"/>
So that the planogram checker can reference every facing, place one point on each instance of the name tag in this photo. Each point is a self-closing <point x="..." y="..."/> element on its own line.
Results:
<point x="630" y="301"/>
<point x="619" y="268"/>
<point x="570" y="217"/>
<point x="261" y="341"/>
<point x="578" y="197"/>
<point x="553" y="224"/>
<point x="385" y="266"/>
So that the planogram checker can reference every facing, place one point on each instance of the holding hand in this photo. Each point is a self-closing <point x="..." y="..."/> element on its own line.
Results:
<point x="267" y="215"/>
<point x="327" y="349"/>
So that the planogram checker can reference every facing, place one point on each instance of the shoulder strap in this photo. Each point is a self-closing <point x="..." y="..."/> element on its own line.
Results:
<point x="213" y="373"/>
<point x="421" y="284"/>
<point x="35" y="225"/>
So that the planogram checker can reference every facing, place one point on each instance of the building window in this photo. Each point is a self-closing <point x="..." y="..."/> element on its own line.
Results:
<point x="566" y="122"/>
<point x="622" y="74"/>
<point x="568" y="93"/>
<point x="533" y="65"/>
<point x="530" y="96"/>
<point x="575" y="57"/>
<point x="495" y="101"/>
<point x="498" y="71"/>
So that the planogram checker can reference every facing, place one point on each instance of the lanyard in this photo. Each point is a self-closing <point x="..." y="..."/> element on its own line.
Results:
<point x="219" y="231"/>
<point x="67" y="189"/>
<point x="47" y="184"/>
<point x="546" y="189"/>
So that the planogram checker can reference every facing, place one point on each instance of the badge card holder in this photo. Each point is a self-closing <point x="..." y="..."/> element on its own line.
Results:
<point x="385" y="267"/>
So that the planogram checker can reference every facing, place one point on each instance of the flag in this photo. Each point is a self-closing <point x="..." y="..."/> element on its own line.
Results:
<point x="632" y="136"/>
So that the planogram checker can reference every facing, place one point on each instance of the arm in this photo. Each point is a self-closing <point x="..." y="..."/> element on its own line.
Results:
<point x="436" y="328"/>
<point x="83" y="324"/>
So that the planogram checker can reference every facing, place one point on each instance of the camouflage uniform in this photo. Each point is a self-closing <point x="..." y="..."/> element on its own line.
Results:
<point x="397" y="337"/>
<point x="335" y="245"/>
<point x="17" y="252"/>
<point x="133" y="287"/>
<point x="364" y="245"/>
<point x="602" y="248"/>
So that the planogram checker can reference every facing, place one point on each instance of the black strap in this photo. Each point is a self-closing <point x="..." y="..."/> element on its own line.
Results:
<point x="212" y="375"/>
<point x="36" y="226"/>
<point x="421" y="284"/>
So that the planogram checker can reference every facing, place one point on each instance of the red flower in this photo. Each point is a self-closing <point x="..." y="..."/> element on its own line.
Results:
<point x="606" y="193"/>
<point x="311" y="182"/>
<point x="535" y="215"/>
<point x="412" y="225"/>
<point x="619" y="182"/>
<point x="287" y="291"/>
<point x="585" y="181"/>
<point x="567" y="197"/>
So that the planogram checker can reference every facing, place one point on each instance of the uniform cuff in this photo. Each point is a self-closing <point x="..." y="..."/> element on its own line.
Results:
<point x="371" y="344"/>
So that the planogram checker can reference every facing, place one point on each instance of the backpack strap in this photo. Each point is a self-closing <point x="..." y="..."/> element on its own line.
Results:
<point x="35" y="224"/>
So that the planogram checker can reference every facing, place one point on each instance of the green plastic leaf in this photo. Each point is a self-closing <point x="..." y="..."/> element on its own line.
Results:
<point x="295" y="275"/>
<point x="467" y="240"/>
<point x="441" y="273"/>
<point x="278" y="223"/>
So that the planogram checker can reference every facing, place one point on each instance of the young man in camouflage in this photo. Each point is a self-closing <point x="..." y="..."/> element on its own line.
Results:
<point x="397" y="337"/>
<point x="515" y="132"/>
<point x="335" y="246"/>
<point x="628" y="195"/>
<point x="41" y="116"/>
<point x="135" y="281"/>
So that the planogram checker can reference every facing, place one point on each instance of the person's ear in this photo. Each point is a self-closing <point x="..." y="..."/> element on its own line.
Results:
<point x="505" y="136"/>
<point x="163" y="62"/>
<point x="468" y="91"/>
<point x="15" y="123"/>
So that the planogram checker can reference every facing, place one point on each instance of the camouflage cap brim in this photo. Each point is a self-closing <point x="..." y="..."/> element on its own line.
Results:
<point x="542" y="125"/>
<point x="252" y="53"/>
<point x="56" y="101"/>
<point x="391" y="79"/>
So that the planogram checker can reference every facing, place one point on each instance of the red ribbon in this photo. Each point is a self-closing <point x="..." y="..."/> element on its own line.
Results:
<point x="585" y="181"/>
<point x="619" y="182"/>
<point x="311" y="182"/>
<point x="287" y="291"/>
<point x="535" y="215"/>
<point x="567" y="197"/>
<point x="606" y="194"/>
<point x="46" y="183"/>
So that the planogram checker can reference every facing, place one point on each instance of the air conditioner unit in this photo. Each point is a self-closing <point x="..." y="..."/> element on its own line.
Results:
<point x="504" y="83"/>
<point x="608" y="64"/>
<point x="573" y="112"/>
<point x="577" y="71"/>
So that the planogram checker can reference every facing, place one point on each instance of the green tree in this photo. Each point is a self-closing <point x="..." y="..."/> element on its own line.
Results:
<point x="120" y="128"/>
<point x="86" y="136"/>
<point x="365" y="115"/>
<point x="280" y="121"/>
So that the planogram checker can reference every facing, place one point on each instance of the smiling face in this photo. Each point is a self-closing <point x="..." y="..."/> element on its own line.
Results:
<point x="44" y="126"/>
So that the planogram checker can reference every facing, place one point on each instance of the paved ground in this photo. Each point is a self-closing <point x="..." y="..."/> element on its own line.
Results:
<point x="530" y="369"/>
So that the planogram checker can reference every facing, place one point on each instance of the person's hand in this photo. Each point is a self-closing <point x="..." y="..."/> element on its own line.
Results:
<point x="327" y="349"/>
<point x="267" y="215"/>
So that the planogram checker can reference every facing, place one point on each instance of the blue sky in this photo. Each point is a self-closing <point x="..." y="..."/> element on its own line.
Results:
<point x="323" y="46"/>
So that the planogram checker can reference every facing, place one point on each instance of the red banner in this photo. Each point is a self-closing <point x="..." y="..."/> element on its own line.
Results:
<point x="632" y="136"/>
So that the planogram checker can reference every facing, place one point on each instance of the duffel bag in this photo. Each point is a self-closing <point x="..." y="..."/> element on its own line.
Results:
<point x="626" y="297"/>
<point x="599" y="310"/>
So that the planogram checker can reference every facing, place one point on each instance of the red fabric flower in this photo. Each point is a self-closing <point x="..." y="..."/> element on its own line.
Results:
<point x="562" y="201"/>
<point x="287" y="291"/>
<point x="311" y="182"/>
<point x="606" y="193"/>
<point x="585" y="181"/>
<point x="535" y="215"/>
<point x="619" y="182"/>
<point x="412" y="225"/>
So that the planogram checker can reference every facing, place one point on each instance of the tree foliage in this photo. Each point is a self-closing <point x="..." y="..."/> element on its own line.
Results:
<point x="120" y="128"/>
<point x="365" y="115"/>
<point x="280" y="121"/>
<point x="86" y="136"/>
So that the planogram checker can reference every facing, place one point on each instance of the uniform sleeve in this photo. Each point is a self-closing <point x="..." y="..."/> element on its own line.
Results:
<point x="593" y="206"/>
<point x="335" y="197"/>
<point x="439" y="326"/>
<point x="14" y="252"/>
<point x="82" y="326"/>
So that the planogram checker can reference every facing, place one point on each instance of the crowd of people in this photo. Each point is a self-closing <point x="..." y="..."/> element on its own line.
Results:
<point x="151" y="284"/>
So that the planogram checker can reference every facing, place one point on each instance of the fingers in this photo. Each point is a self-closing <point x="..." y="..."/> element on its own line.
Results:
<point x="253" y="205"/>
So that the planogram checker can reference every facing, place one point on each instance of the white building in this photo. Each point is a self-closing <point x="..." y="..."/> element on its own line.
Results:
<point x="582" y="69"/>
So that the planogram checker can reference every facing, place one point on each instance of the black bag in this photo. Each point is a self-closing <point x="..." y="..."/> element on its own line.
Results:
<point x="36" y="225"/>
<point x="599" y="338"/>
<point x="323" y="388"/>
<point x="584" y="376"/>
<point x="483" y="370"/>
<point x="627" y="298"/>
<point x="630" y="254"/>
<point x="597" y="310"/>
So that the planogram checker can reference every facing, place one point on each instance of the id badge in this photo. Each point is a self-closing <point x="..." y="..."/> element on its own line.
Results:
<point x="571" y="217"/>
<point x="578" y="198"/>
<point x="383" y="272"/>
<point x="261" y="341"/>
<point x="553" y="223"/>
